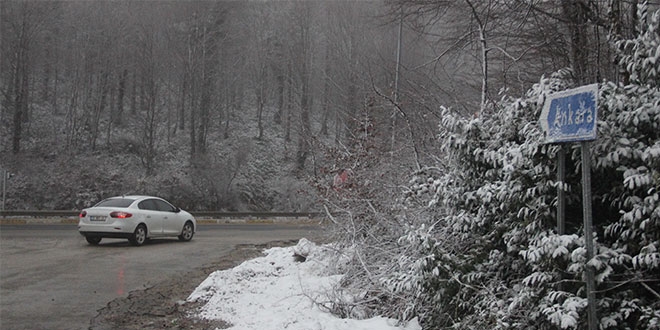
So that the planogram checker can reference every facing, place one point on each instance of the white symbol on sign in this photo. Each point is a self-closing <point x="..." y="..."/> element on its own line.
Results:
<point x="567" y="118"/>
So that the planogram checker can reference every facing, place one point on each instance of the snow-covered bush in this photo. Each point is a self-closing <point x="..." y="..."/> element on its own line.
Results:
<point x="495" y="194"/>
<point x="484" y="253"/>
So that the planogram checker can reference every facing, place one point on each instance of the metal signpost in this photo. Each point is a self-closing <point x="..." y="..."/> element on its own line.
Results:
<point x="571" y="116"/>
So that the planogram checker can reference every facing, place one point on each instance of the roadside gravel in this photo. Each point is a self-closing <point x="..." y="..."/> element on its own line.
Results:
<point x="164" y="306"/>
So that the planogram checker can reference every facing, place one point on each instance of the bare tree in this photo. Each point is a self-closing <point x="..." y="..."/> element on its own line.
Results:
<point x="22" y="21"/>
<point x="204" y="34"/>
<point x="261" y="46"/>
<point x="149" y="114"/>
<point x="303" y="16"/>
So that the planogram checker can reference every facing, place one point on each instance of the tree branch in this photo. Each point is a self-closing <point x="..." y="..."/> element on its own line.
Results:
<point x="405" y="117"/>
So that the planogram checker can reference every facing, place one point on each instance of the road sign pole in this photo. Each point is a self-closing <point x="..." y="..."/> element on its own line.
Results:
<point x="572" y="116"/>
<point x="588" y="234"/>
<point x="561" y="195"/>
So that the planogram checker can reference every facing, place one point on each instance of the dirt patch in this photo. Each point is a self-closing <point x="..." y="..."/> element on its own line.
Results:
<point x="164" y="305"/>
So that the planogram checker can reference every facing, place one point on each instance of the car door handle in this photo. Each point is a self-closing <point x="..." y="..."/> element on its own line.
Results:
<point x="148" y="217"/>
<point x="165" y="218"/>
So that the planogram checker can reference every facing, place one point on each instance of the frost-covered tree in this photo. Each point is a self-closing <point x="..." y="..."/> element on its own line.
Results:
<point x="481" y="250"/>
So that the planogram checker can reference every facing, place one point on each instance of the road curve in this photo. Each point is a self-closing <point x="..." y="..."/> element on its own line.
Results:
<point x="50" y="278"/>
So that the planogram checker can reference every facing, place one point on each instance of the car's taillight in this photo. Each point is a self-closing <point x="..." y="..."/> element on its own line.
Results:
<point x="83" y="214"/>
<point x="120" y="214"/>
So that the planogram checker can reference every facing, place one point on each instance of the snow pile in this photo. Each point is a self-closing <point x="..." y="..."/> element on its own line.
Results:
<point x="276" y="292"/>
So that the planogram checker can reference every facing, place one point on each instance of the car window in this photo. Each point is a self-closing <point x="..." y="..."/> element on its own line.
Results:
<point x="164" y="206"/>
<point x="115" y="202"/>
<point x="148" y="204"/>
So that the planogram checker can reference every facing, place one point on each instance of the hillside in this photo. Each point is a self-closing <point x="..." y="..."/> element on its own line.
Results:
<point x="239" y="172"/>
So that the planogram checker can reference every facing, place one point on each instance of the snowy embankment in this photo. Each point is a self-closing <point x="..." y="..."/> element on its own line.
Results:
<point x="277" y="292"/>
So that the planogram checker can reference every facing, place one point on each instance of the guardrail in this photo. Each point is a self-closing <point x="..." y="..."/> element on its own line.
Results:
<point x="200" y="214"/>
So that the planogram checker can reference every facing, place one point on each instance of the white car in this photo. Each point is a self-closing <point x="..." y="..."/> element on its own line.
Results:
<point x="136" y="218"/>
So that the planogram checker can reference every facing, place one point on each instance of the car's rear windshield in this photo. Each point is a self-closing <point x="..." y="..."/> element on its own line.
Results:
<point x="115" y="202"/>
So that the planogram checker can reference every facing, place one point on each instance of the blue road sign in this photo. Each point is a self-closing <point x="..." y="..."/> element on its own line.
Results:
<point x="571" y="115"/>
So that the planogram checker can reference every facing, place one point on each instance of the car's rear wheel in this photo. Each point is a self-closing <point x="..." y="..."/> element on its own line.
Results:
<point x="93" y="240"/>
<point x="139" y="235"/>
<point x="187" y="232"/>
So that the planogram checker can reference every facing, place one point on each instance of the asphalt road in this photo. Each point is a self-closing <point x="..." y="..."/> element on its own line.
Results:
<point x="50" y="278"/>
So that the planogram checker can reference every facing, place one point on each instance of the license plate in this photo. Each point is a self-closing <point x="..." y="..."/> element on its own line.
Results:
<point x="96" y="218"/>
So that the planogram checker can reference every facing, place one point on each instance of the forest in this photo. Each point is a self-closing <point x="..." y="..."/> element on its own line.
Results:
<point x="212" y="104"/>
<point x="413" y="125"/>
<point x="238" y="105"/>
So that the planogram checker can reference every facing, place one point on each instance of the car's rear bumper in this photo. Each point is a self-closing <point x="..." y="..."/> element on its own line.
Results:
<point x="106" y="230"/>
<point x="105" y="234"/>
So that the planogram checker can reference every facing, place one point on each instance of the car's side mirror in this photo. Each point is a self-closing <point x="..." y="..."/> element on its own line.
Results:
<point x="177" y="210"/>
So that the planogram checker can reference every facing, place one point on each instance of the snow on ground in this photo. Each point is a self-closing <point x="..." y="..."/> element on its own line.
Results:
<point x="276" y="292"/>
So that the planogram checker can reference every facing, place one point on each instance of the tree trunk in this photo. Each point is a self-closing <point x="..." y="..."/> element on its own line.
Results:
<point x="151" y="126"/>
<point x="121" y="90"/>
<point x="576" y="21"/>
<point x="112" y="113"/>
<point x="289" y="107"/>
<point x="193" y="124"/>
<point x="483" y="43"/>
<point x="229" y="109"/>
<point x="260" y="111"/>
<point x="634" y="20"/>
<point x="351" y="120"/>
<point x="181" y="114"/>
<point x="6" y="100"/>
<point x="55" y="95"/>
<point x="45" y="79"/>
<point x="484" y="69"/>
<point x="280" y="99"/>
<point x="204" y="115"/>
<point x="326" y="97"/>
<point x="71" y="120"/>
<point x="21" y="89"/>
<point x="134" y="93"/>
<point x="259" y="95"/>
<point x="99" y="107"/>
<point x="305" y="104"/>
